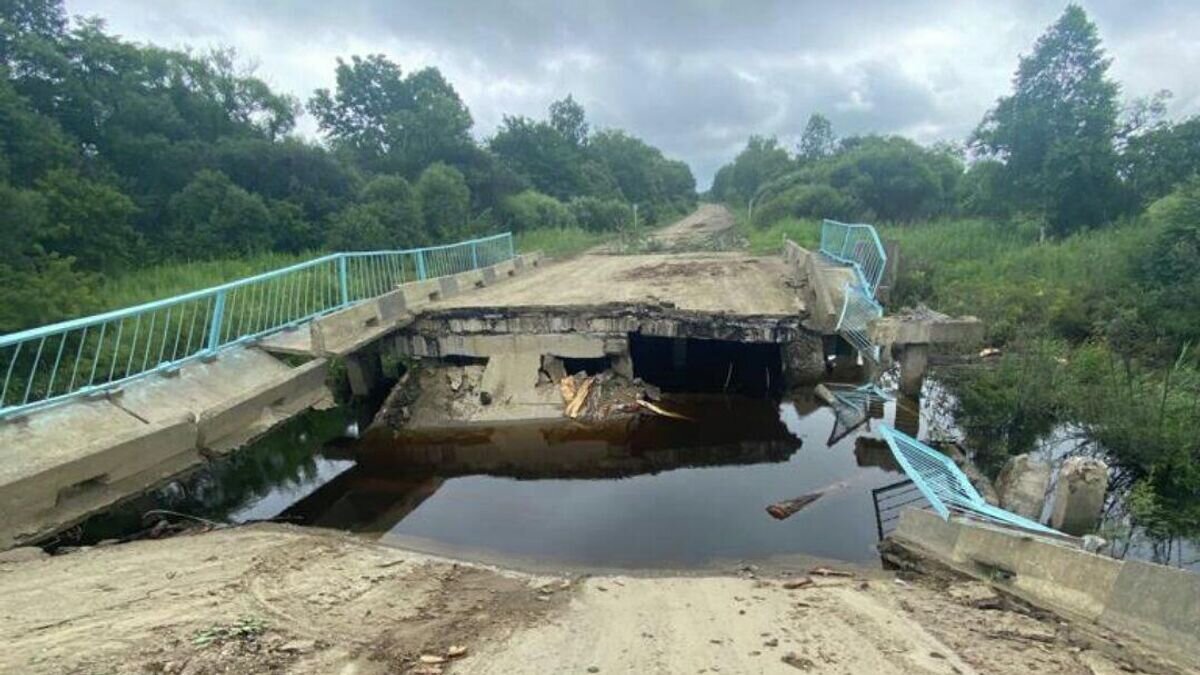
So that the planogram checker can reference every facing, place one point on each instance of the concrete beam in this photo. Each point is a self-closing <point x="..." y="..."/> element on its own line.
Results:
<point x="236" y="421"/>
<point x="1156" y="603"/>
<point x="37" y="500"/>
<point x="897" y="330"/>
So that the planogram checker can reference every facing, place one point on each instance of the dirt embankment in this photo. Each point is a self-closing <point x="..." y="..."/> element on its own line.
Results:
<point x="280" y="599"/>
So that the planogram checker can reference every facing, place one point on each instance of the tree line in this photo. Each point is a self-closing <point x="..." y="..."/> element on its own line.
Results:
<point x="115" y="155"/>
<point x="1061" y="149"/>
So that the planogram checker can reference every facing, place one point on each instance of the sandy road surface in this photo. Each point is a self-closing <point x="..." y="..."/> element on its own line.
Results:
<point x="707" y="221"/>
<point x="269" y="598"/>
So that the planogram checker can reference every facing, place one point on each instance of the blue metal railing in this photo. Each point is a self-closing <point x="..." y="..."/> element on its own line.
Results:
<point x="946" y="486"/>
<point x="858" y="246"/>
<point x="858" y="311"/>
<point x="48" y="365"/>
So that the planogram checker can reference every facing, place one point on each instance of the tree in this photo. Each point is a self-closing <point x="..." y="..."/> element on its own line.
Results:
<point x="88" y="221"/>
<point x="390" y="122"/>
<point x="540" y="154"/>
<point x="762" y="160"/>
<point x="817" y="141"/>
<point x="568" y="119"/>
<point x="445" y="202"/>
<point x="358" y="228"/>
<point x="1055" y="132"/>
<point x="1160" y="158"/>
<point x="397" y="207"/>
<point x="894" y="178"/>
<point x="212" y="217"/>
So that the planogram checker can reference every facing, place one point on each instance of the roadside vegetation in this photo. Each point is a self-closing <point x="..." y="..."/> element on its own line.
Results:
<point x="128" y="171"/>
<point x="1070" y="223"/>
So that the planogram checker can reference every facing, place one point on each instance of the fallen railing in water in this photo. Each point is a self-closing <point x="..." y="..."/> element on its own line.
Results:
<point x="946" y="487"/>
<point x="82" y="357"/>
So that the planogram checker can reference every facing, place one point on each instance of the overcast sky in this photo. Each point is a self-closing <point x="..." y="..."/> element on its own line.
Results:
<point x="692" y="77"/>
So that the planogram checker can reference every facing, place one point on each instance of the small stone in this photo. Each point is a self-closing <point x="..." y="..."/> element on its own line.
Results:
<point x="937" y="655"/>
<point x="456" y="652"/>
<point x="796" y="661"/>
<point x="593" y="669"/>
<point x="298" y="646"/>
<point x="432" y="658"/>
<point x="798" y="583"/>
<point x="773" y="642"/>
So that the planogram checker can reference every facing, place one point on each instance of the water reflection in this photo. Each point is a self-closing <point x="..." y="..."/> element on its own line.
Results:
<point x="644" y="492"/>
<point x="656" y="491"/>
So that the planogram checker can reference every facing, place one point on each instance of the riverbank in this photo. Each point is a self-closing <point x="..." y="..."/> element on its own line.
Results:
<point x="273" y="598"/>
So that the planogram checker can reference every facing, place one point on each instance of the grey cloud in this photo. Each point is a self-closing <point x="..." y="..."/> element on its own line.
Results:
<point x="695" y="77"/>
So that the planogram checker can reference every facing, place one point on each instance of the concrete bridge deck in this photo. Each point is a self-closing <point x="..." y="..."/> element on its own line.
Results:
<point x="727" y="283"/>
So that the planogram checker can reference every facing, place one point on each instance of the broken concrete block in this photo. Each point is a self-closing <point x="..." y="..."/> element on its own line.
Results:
<point x="1022" y="485"/>
<point x="1079" y="495"/>
<point x="554" y="368"/>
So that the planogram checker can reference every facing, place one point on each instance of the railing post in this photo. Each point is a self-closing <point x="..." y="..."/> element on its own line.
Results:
<point x="214" y="327"/>
<point x="343" y="280"/>
<point x="512" y="248"/>
<point x="421" y="264"/>
<point x="474" y="255"/>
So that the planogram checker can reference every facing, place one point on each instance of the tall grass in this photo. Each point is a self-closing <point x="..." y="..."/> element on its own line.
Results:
<point x="166" y="280"/>
<point x="1018" y="284"/>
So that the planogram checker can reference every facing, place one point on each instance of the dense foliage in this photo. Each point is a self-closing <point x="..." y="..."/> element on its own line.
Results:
<point x="115" y="156"/>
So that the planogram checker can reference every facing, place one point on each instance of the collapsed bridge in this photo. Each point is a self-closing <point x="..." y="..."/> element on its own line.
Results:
<point x="262" y="347"/>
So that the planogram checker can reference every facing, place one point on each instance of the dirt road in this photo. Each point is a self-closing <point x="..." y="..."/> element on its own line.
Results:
<point x="269" y="598"/>
<point x="705" y="223"/>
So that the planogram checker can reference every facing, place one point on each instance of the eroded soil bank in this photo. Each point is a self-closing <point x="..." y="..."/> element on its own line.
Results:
<point x="272" y="598"/>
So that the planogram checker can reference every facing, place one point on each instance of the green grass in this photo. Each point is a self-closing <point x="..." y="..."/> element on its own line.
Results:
<point x="1002" y="273"/>
<point x="166" y="280"/>
<point x="560" y="242"/>
<point x="768" y="240"/>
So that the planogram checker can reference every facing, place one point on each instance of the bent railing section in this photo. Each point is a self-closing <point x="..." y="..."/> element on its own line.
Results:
<point x="52" y="364"/>
<point x="859" y="247"/>
<point x="945" y="486"/>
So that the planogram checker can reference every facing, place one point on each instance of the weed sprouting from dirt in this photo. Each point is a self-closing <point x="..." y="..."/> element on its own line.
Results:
<point x="244" y="629"/>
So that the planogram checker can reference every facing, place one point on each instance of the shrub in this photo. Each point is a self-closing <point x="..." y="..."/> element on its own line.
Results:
<point x="530" y="210"/>
<point x="809" y="200"/>
<point x="600" y="215"/>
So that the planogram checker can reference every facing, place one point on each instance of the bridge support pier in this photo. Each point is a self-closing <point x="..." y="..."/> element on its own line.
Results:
<point x="914" y="359"/>
<point x="364" y="370"/>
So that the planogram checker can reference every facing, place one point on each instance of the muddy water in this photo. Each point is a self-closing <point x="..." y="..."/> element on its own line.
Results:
<point x="651" y="492"/>
<point x="645" y="492"/>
